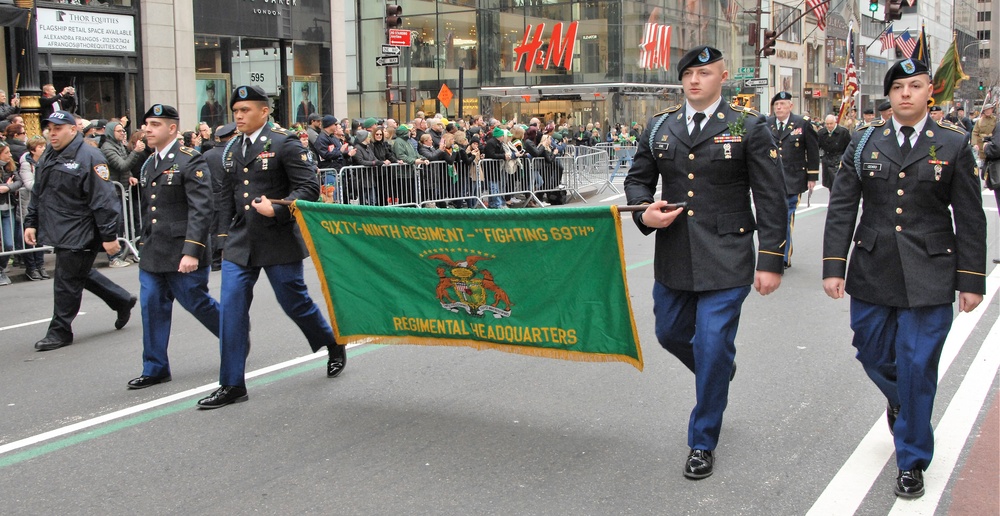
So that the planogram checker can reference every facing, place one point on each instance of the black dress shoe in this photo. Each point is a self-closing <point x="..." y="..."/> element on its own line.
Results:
<point x="337" y="362"/>
<point x="224" y="396"/>
<point x="50" y="343"/>
<point x="699" y="464"/>
<point x="146" y="381"/>
<point x="125" y="313"/>
<point x="891" y="413"/>
<point x="910" y="483"/>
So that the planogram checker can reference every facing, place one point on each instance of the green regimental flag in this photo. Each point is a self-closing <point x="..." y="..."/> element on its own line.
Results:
<point x="547" y="283"/>
<point x="949" y="75"/>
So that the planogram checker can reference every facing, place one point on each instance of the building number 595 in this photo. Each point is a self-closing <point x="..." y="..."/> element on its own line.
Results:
<point x="256" y="77"/>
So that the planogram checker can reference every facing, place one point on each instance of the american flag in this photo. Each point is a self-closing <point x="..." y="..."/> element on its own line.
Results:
<point x="731" y="8"/>
<point x="906" y="43"/>
<point x="850" y="76"/>
<point x="887" y="39"/>
<point x="821" y="7"/>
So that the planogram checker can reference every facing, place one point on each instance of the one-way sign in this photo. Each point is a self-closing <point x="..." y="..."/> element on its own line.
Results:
<point x="387" y="60"/>
<point x="390" y="50"/>
<point x="750" y="83"/>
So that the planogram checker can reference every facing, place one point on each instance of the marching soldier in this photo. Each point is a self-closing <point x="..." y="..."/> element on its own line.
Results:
<point x="908" y="258"/>
<point x="833" y="140"/>
<point x="799" y="153"/>
<point x="176" y="186"/>
<point x="213" y="157"/>
<point x="709" y="155"/>
<point x="263" y="163"/>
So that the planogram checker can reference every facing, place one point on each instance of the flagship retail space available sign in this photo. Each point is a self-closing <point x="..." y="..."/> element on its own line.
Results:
<point x="78" y="30"/>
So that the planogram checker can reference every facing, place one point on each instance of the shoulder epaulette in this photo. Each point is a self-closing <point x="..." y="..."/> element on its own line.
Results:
<point x="747" y="110"/>
<point x="805" y="117"/>
<point x="279" y="131"/>
<point x="670" y="109"/>
<point x="187" y="150"/>
<point x="873" y="123"/>
<point x="948" y="125"/>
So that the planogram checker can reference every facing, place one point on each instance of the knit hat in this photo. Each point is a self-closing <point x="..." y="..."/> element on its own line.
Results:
<point x="360" y="135"/>
<point x="368" y="122"/>
<point x="498" y="132"/>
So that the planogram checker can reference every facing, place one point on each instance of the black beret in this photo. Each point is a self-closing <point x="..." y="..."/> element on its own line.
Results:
<point x="242" y="93"/>
<point x="782" y="95"/>
<point x="935" y="108"/>
<point x="903" y="69"/>
<point x="698" y="56"/>
<point x="162" y="111"/>
<point x="869" y="111"/>
<point x="884" y="106"/>
<point x="226" y="130"/>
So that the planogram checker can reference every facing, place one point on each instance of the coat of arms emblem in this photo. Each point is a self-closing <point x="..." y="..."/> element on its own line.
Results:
<point x="463" y="285"/>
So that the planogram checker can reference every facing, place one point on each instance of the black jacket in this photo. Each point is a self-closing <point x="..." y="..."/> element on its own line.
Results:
<point x="711" y="245"/>
<point x="277" y="166"/>
<point x="383" y="151"/>
<point x="799" y="152"/>
<point x="68" y="103"/>
<point x="907" y="251"/>
<point x="833" y="145"/>
<point x="365" y="156"/>
<point x="179" y="209"/>
<point x="328" y="151"/>
<point x="73" y="204"/>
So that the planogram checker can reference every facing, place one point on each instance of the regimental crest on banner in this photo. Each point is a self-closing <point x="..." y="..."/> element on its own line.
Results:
<point x="465" y="286"/>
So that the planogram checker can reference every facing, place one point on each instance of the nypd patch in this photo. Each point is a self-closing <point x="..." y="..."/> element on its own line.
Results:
<point x="102" y="172"/>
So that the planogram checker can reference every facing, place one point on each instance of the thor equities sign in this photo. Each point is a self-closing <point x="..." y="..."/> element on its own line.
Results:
<point x="560" y="48"/>
<point x="78" y="30"/>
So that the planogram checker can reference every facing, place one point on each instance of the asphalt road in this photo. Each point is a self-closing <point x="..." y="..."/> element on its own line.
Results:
<point x="431" y="430"/>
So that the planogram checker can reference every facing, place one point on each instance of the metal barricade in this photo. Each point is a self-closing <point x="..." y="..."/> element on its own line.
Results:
<point x="621" y="156"/>
<point x="590" y="169"/>
<point x="130" y="229"/>
<point x="329" y="185"/>
<point x="402" y="185"/>
<point x="12" y="232"/>
<point x="553" y="188"/>
<point x="448" y="184"/>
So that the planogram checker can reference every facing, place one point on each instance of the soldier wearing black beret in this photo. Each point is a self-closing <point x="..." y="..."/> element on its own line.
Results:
<point x="213" y="157"/>
<point x="178" y="208"/>
<point x="909" y="255"/>
<point x="885" y="110"/>
<point x="799" y="151"/>
<point x="709" y="157"/>
<point x="261" y="164"/>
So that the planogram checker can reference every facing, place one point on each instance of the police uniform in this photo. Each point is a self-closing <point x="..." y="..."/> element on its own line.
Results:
<point x="277" y="166"/>
<point x="799" y="151"/>
<point x="74" y="209"/>
<point x="907" y="262"/>
<point x="704" y="261"/>
<point x="176" y="187"/>
<point x="213" y="157"/>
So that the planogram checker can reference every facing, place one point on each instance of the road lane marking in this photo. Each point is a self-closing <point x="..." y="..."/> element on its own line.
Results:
<point x="848" y="488"/>
<point x="149" y="405"/>
<point x="31" y="323"/>
<point x="954" y="428"/>
<point x="619" y="196"/>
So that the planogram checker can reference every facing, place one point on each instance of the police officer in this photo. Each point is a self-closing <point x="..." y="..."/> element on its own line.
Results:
<point x="74" y="209"/>
<point x="799" y="151"/>
<point x="908" y="258"/>
<point x="213" y="157"/>
<point x="833" y="140"/>
<point x="709" y="155"/>
<point x="176" y="187"/>
<point x="261" y="164"/>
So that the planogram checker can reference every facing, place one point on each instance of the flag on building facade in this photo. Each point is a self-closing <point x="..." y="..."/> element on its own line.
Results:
<point x="547" y="283"/>
<point x="949" y="75"/>
<point x="850" y="76"/>
<point x="887" y="39"/>
<point x="906" y="43"/>
<point x="731" y="8"/>
<point x="922" y="52"/>
<point x="820" y="8"/>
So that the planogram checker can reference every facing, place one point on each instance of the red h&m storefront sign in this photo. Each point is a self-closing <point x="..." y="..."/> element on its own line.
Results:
<point x="655" y="47"/>
<point x="561" y="47"/>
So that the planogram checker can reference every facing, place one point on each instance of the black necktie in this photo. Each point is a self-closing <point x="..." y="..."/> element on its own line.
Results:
<point x="696" y="130"/>
<point x="906" y="147"/>
<point x="246" y="144"/>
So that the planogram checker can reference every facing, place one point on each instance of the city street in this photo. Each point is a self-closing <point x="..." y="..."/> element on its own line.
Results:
<point x="444" y="430"/>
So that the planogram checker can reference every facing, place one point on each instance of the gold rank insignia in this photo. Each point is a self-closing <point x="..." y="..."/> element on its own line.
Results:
<point x="199" y="174"/>
<point x="664" y="138"/>
<point x="930" y="134"/>
<point x="886" y="132"/>
<point x="874" y="155"/>
<point x="721" y="116"/>
<point x="304" y="157"/>
<point x="774" y="154"/>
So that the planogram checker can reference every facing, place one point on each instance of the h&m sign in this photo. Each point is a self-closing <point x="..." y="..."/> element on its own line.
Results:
<point x="560" y="48"/>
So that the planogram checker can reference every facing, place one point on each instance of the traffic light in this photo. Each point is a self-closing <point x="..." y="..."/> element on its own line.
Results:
<point x="980" y="85"/>
<point x="872" y="6"/>
<point x="752" y="34"/>
<point x="893" y="10"/>
<point x="770" y="38"/>
<point x="393" y="16"/>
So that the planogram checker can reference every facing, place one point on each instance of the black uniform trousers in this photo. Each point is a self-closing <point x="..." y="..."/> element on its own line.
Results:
<point x="75" y="272"/>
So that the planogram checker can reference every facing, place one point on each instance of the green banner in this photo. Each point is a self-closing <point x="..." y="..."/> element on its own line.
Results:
<point x="545" y="283"/>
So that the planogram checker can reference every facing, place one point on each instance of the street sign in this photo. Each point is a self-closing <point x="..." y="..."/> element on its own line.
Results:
<point x="741" y="76"/>
<point x="390" y="50"/>
<point x="747" y="70"/>
<point x="387" y="60"/>
<point x="399" y="37"/>
<point x="751" y="83"/>
<point x="445" y="95"/>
